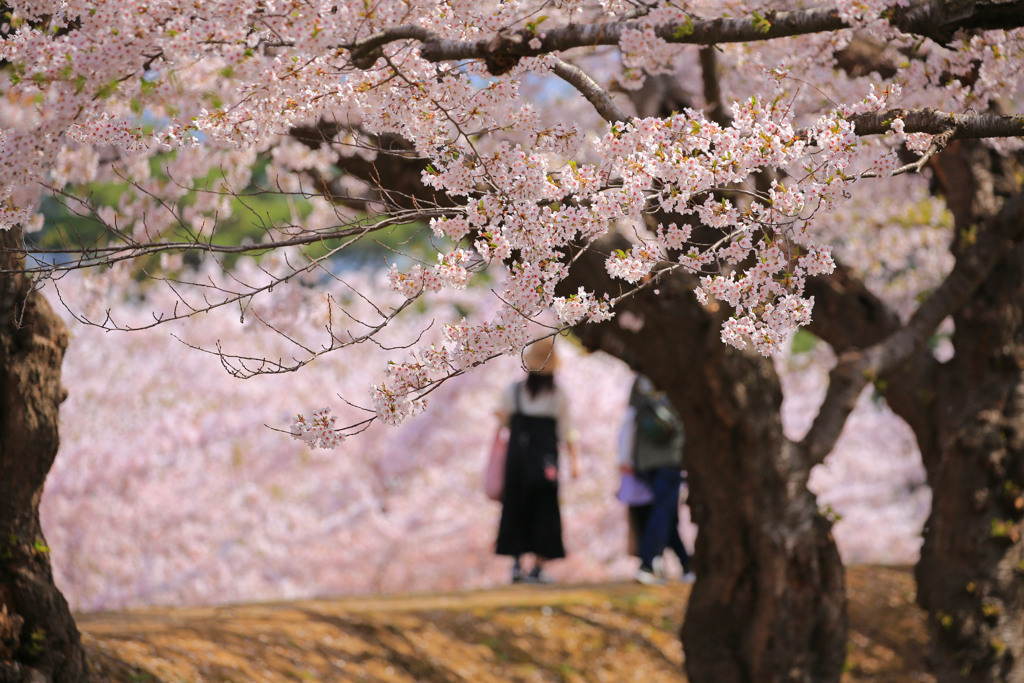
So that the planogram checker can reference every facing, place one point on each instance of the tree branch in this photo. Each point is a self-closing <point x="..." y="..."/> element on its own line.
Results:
<point x="92" y="256"/>
<point x="935" y="122"/>
<point x="855" y="369"/>
<point x="588" y="87"/>
<point x="929" y="18"/>
<point x="940" y="20"/>
<point x="524" y="43"/>
<point x="713" y="87"/>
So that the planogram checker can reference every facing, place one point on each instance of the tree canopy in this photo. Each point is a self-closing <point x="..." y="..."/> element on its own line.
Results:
<point x="505" y="126"/>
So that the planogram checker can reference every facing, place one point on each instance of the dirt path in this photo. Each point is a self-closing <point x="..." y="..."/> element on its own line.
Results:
<point x="572" y="634"/>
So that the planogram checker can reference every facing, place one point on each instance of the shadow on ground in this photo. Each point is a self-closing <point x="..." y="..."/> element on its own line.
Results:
<point x="570" y="634"/>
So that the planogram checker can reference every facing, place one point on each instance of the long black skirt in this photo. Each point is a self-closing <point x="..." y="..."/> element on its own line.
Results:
<point x="531" y="521"/>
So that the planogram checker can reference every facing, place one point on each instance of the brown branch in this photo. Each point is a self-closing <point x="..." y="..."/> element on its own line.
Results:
<point x="712" y="87"/>
<point x="929" y="18"/>
<point x="855" y="368"/>
<point x="935" y="122"/>
<point x="847" y="314"/>
<point x="588" y="87"/>
<point x="940" y="20"/>
<point x="518" y="44"/>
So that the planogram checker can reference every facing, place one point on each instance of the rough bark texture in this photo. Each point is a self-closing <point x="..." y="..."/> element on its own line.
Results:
<point x="38" y="637"/>
<point x="971" y="573"/>
<point x="968" y="417"/>
<point x="769" y="601"/>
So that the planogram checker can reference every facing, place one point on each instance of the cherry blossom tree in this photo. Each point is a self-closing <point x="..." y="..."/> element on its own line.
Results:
<point x="507" y="128"/>
<point x="222" y="512"/>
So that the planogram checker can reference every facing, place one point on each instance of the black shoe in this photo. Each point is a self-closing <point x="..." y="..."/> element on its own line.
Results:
<point x="517" y="574"/>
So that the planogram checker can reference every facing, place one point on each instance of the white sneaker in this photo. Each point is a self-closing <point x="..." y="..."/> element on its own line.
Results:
<point x="658" y="566"/>
<point x="648" y="578"/>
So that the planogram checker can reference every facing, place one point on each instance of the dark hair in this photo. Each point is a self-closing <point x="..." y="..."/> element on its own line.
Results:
<point x="539" y="384"/>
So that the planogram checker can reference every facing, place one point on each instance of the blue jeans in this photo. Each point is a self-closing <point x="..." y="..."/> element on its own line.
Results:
<point x="665" y="483"/>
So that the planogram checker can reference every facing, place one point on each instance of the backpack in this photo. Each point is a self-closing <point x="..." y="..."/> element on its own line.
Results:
<point x="659" y="437"/>
<point x="656" y="423"/>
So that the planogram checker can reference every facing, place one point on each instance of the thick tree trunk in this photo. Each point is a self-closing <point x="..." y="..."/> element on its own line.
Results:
<point x="38" y="637"/>
<point x="971" y="573"/>
<point x="769" y="601"/>
<point x="968" y="417"/>
<point x="769" y="604"/>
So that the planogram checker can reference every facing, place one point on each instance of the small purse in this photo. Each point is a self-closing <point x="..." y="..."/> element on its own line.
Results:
<point x="634" y="491"/>
<point x="494" y="473"/>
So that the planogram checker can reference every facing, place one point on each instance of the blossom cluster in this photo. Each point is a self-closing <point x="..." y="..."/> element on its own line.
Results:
<point x="318" y="431"/>
<point x="450" y="272"/>
<point x="169" y="490"/>
<point x="582" y="305"/>
<point x="182" y="109"/>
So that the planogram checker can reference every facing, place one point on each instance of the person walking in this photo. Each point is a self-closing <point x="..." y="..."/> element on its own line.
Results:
<point x="536" y="413"/>
<point x="651" y="463"/>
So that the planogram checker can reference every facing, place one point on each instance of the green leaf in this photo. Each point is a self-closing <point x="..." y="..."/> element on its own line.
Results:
<point x="531" y="26"/>
<point x="106" y="90"/>
<point x="761" y="25"/>
<point x="683" y="30"/>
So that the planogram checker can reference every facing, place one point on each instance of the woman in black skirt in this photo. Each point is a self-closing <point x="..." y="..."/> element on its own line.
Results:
<point x="537" y="414"/>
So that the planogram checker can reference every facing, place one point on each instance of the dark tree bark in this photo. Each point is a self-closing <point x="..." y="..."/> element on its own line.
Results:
<point x="38" y="637"/>
<point x="971" y="572"/>
<point x="968" y="417"/>
<point x="769" y="602"/>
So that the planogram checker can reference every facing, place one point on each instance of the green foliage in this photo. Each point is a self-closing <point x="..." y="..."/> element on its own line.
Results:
<point x="7" y="551"/>
<point x="761" y="25"/>
<point x="803" y="341"/>
<point x="34" y="645"/>
<point x="254" y="213"/>
<point x="684" y="29"/>
<point x="990" y="610"/>
<point x="1004" y="529"/>
<point x="531" y="26"/>
<point x="829" y="513"/>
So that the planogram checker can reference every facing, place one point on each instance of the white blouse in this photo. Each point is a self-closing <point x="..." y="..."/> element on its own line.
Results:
<point x="545" y="404"/>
